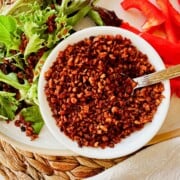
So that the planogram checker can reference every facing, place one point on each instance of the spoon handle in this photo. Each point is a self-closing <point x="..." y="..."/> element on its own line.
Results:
<point x="153" y="78"/>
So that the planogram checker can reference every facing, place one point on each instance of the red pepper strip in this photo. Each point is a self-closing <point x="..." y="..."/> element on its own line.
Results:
<point x="169" y="28"/>
<point x="170" y="31"/>
<point x="152" y="13"/>
<point x="169" y="52"/>
<point x="174" y="14"/>
<point x="163" y="6"/>
<point x="175" y="86"/>
<point x="127" y="26"/>
<point x="158" y="31"/>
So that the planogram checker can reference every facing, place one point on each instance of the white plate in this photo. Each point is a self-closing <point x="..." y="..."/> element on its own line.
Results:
<point x="46" y="144"/>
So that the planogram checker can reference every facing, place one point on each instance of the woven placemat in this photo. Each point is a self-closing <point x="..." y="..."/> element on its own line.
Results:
<point x="18" y="164"/>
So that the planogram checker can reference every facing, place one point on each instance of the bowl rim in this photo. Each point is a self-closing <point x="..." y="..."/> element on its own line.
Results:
<point x="130" y="144"/>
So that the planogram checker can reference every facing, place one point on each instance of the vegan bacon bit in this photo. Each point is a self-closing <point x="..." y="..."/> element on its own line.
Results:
<point x="51" y="25"/>
<point x="24" y="42"/>
<point x="89" y="97"/>
<point x="26" y="127"/>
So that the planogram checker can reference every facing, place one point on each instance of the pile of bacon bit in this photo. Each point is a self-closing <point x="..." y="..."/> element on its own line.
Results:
<point x="91" y="101"/>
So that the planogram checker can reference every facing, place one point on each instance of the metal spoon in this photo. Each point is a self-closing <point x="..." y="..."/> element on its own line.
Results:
<point x="153" y="78"/>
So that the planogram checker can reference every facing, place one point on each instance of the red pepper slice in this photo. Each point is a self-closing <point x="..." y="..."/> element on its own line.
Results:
<point x="158" y="31"/>
<point x="174" y="14"/>
<point x="163" y="5"/>
<point x="169" y="27"/>
<point x="170" y="52"/>
<point x="170" y="31"/>
<point x="153" y="14"/>
<point x="127" y="26"/>
<point x="175" y="86"/>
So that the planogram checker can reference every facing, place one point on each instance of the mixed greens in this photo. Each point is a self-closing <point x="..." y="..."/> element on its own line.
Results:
<point x="28" y="33"/>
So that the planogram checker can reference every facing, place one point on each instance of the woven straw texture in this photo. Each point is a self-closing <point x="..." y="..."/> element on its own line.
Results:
<point x="19" y="164"/>
<point x="23" y="165"/>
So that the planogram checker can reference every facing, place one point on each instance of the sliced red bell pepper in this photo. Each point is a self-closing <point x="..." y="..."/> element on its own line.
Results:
<point x="175" y="86"/>
<point x="169" y="27"/>
<point x="154" y="16"/>
<point x="170" y="52"/>
<point x="170" y="31"/>
<point x="127" y="26"/>
<point x="174" y="14"/>
<point x="163" y="6"/>
<point x="158" y="31"/>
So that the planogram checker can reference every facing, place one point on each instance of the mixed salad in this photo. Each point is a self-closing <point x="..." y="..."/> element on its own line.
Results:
<point x="28" y="33"/>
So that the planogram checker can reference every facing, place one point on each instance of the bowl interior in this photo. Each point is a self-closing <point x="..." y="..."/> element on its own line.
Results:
<point x="137" y="139"/>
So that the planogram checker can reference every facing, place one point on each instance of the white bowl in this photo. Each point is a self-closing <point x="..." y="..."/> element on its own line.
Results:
<point x="137" y="139"/>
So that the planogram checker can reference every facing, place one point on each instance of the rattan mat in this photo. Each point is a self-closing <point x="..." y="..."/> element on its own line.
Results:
<point x="23" y="165"/>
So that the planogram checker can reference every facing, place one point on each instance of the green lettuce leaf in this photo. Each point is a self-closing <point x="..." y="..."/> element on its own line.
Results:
<point x="8" y="105"/>
<point x="12" y="80"/>
<point x="2" y="52"/>
<point x="34" y="44"/>
<point x="32" y="95"/>
<point x="37" y="69"/>
<point x="7" y="28"/>
<point x="29" y="28"/>
<point x="8" y="22"/>
<point x="8" y="36"/>
<point x="33" y="115"/>
<point x="37" y="126"/>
